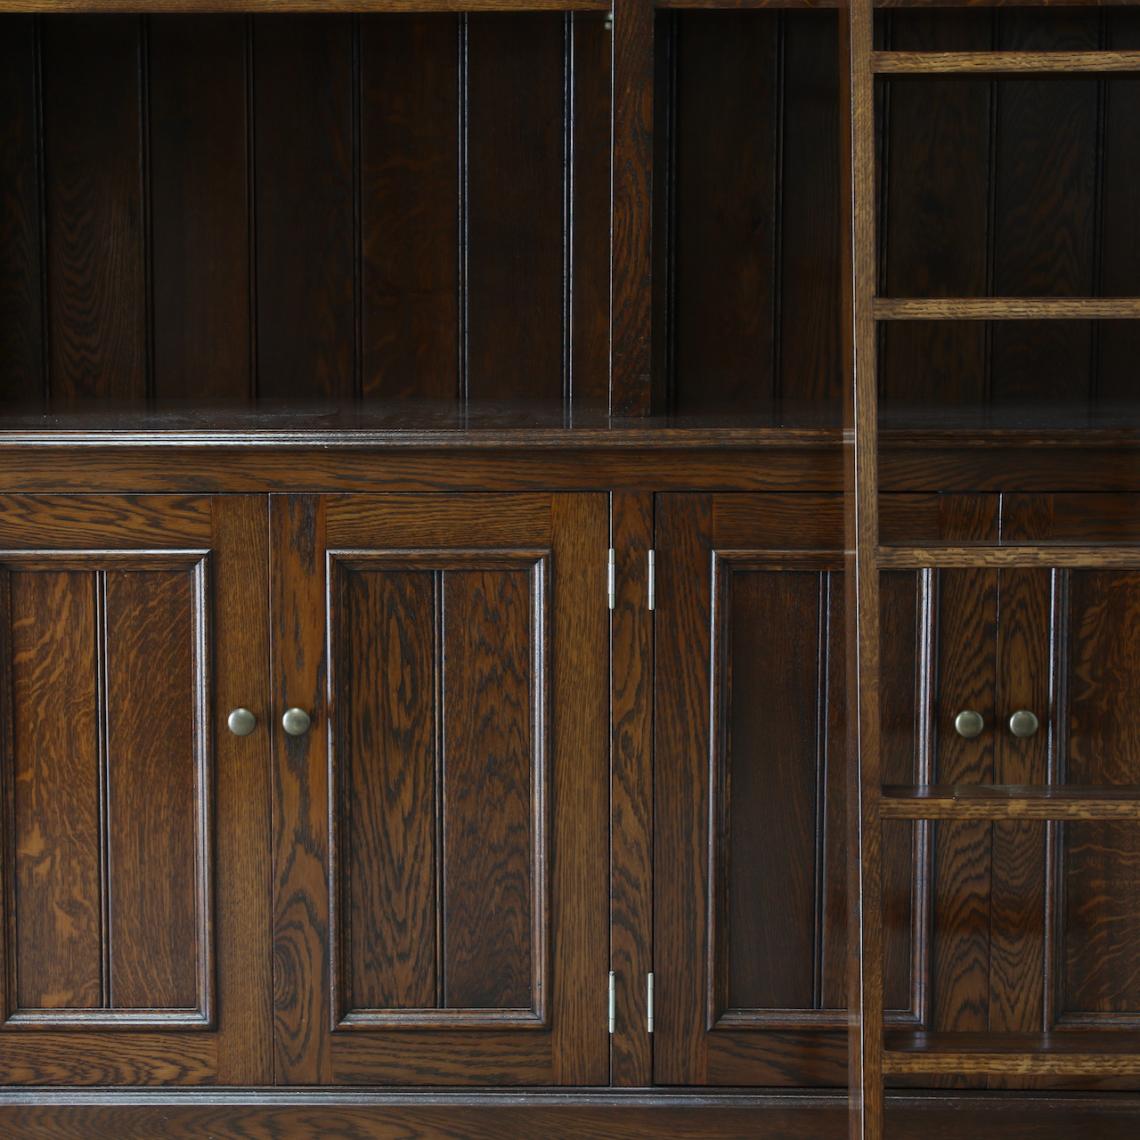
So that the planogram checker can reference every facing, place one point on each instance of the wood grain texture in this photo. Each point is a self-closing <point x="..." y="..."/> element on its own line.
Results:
<point x="631" y="301"/>
<point x="303" y="206"/>
<point x="55" y="926"/>
<point x="199" y="189"/>
<point x="21" y="254"/>
<point x="514" y="245"/>
<point x="631" y="788"/>
<point x="95" y="214"/>
<point x="157" y="789"/>
<point x="409" y="206"/>
<point x="896" y="62"/>
<point x="493" y="800"/>
<point x="147" y="521"/>
<point x="384" y="644"/>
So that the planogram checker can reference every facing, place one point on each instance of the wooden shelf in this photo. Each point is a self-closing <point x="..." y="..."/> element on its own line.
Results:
<point x="1010" y="801"/>
<point x="1021" y="1054"/>
<point x="1004" y="62"/>
<point x="1006" y="308"/>
<point x="238" y="6"/>
<point x="968" y="557"/>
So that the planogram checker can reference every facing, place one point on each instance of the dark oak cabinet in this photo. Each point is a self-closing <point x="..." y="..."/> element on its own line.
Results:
<point x="569" y="567"/>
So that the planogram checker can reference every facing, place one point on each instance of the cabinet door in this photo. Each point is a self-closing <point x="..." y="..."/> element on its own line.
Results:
<point x="441" y="830"/>
<point x="749" y="760"/>
<point x="134" y="942"/>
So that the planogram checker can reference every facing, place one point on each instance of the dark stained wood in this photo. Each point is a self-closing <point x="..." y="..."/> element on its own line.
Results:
<point x="631" y="787"/>
<point x="54" y="783"/>
<point x="303" y="206"/>
<point x="631" y="302"/>
<point x="513" y="246"/>
<point x="384" y="628"/>
<point x="21" y="265"/>
<point x="95" y="213"/>
<point x="199" y="191"/>
<point x="321" y="6"/>
<point x="410" y="255"/>
<point x="1011" y="801"/>
<point x="727" y="121"/>
<point x="493" y="726"/>
<point x="592" y="108"/>
<point x="1097" y="979"/>
<point x="157" y="875"/>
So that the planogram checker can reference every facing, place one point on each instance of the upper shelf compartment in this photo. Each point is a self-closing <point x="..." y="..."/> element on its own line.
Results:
<point x="307" y="207"/>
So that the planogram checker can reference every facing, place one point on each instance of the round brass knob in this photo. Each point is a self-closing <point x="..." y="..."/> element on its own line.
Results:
<point x="969" y="724"/>
<point x="241" y="722"/>
<point x="296" y="722"/>
<point x="1023" y="724"/>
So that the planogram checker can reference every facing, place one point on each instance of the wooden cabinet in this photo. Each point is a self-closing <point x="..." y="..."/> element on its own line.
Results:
<point x="441" y="832"/>
<point x="133" y="824"/>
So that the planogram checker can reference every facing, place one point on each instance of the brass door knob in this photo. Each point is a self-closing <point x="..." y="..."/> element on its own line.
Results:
<point x="241" y="722"/>
<point x="969" y="724"/>
<point x="1023" y="724"/>
<point x="296" y="722"/>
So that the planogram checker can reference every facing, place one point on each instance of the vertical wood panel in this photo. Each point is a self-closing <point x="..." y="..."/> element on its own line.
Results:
<point x="199" y="206"/>
<point x="489" y="890"/>
<point x="769" y="702"/>
<point x="515" y="206"/>
<point x="410" y="205"/>
<point x="1120" y="246"/>
<point x="55" y="743"/>
<point x="808" y="271"/>
<point x="21" y="269"/>
<point x="590" y="346"/>
<point x="935" y="232"/>
<point x="1045" y="205"/>
<point x="1101" y="861"/>
<point x="384" y="654"/>
<point x="1017" y="906"/>
<point x="304" y="205"/>
<point x="95" y="215"/>
<point x="727" y="73"/>
<point x="154" y="860"/>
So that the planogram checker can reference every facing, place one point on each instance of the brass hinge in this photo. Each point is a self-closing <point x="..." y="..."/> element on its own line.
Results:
<point x="611" y="579"/>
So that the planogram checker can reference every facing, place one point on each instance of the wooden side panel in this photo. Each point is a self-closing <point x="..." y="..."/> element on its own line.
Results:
<point x="490" y="902"/>
<point x="726" y="188"/>
<point x="808" y="232"/>
<point x="95" y="210"/>
<point x="410" y="205"/>
<point x="199" y="187"/>
<point x="57" y="924"/>
<point x="514" y="240"/>
<point x="21" y="267"/>
<point x="303" y="206"/>
<point x="155" y="793"/>
<point x="384" y="640"/>
<point x="1099" y="974"/>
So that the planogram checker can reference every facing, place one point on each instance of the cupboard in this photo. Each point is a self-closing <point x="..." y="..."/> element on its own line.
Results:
<point x="429" y="564"/>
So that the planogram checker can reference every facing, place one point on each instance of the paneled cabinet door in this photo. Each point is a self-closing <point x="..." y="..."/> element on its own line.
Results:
<point x="441" y="793"/>
<point x="749" y="756"/>
<point x="134" y="943"/>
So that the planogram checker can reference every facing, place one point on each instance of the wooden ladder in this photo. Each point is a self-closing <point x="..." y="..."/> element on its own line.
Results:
<point x="874" y="1054"/>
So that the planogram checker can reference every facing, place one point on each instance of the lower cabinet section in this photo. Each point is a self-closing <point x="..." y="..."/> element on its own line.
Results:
<point x="393" y="867"/>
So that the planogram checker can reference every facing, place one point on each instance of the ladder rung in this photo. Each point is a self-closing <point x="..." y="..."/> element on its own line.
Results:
<point x="970" y="557"/>
<point x="1013" y="1054"/>
<point x="1003" y="62"/>
<point x="1010" y="801"/>
<point x="1006" y="308"/>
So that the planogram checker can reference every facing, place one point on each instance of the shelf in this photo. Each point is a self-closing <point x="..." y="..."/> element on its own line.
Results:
<point x="1010" y="801"/>
<point x="969" y="557"/>
<point x="1006" y="308"/>
<point x="1004" y="62"/>
<point x="1021" y="1054"/>
<point x="200" y="6"/>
